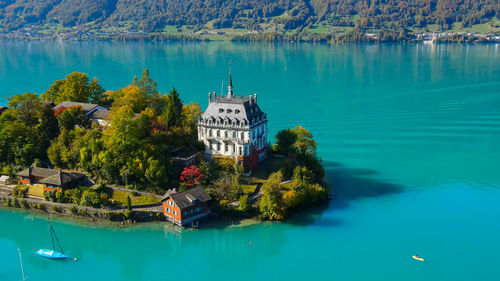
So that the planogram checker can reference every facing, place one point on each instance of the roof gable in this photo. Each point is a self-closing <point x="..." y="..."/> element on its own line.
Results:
<point x="187" y="198"/>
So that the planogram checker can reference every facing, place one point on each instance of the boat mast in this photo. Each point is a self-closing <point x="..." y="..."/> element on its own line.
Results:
<point x="21" y="260"/>
<point x="53" y="234"/>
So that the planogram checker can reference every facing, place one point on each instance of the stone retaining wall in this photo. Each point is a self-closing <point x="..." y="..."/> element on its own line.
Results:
<point x="79" y="211"/>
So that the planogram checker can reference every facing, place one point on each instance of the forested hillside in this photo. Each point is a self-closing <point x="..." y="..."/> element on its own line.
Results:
<point x="248" y="16"/>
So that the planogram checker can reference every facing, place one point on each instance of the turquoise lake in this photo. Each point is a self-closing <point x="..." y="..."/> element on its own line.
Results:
<point x="409" y="135"/>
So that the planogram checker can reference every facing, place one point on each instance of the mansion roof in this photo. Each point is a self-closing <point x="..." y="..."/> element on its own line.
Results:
<point x="235" y="110"/>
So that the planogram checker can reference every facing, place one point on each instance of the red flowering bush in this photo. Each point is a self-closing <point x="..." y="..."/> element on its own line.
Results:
<point x="191" y="176"/>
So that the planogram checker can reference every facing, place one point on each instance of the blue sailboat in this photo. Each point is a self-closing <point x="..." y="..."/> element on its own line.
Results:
<point x="52" y="254"/>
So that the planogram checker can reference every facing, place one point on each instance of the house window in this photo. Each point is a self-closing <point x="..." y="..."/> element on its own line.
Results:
<point x="240" y="150"/>
<point x="242" y="136"/>
<point x="225" y="134"/>
<point x="218" y="146"/>
<point x="226" y="148"/>
<point x="234" y="135"/>
<point x="218" y="133"/>
<point x="209" y="133"/>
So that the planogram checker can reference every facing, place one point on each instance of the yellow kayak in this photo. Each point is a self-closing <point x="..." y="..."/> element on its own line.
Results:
<point x="417" y="258"/>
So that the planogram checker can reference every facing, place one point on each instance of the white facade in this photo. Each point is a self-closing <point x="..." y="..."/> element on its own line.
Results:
<point x="233" y="126"/>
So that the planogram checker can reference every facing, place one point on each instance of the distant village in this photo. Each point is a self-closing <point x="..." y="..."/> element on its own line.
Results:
<point x="368" y="35"/>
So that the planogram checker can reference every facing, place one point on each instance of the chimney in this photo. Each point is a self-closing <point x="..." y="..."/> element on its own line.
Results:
<point x="255" y="98"/>
<point x="214" y="95"/>
<point x="250" y="99"/>
<point x="209" y="97"/>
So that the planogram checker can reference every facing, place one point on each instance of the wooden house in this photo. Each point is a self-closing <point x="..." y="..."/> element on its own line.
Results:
<point x="185" y="207"/>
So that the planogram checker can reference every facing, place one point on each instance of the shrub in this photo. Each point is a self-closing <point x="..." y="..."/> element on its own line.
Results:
<point x="73" y="195"/>
<point x="41" y="206"/>
<point x="50" y="195"/>
<point x="82" y="212"/>
<point x="73" y="209"/>
<point x="60" y="196"/>
<point x="24" y="204"/>
<point x="244" y="205"/>
<point x="129" y="214"/>
<point x="19" y="192"/>
<point x="54" y="208"/>
<point x="104" y="200"/>
<point x="90" y="198"/>
<point x="16" y="203"/>
<point x="9" y="202"/>
<point x="116" y="216"/>
<point x="223" y="205"/>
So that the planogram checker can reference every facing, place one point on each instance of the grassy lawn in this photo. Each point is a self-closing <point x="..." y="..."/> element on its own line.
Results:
<point x="483" y="28"/>
<point x="318" y="29"/>
<point x="35" y="190"/>
<point x="120" y="198"/>
<point x="170" y="29"/>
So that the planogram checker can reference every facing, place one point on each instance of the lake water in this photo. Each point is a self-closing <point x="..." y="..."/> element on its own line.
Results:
<point x="409" y="135"/>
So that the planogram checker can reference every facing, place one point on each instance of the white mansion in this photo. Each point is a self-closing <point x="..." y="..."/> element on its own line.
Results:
<point x="235" y="127"/>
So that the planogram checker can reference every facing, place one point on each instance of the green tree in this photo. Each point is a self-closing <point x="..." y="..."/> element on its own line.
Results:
<point x="271" y="204"/>
<point x="75" y="87"/>
<point x="90" y="198"/>
<point x="48" y="127"/>
<point x="26" y="107"/>
<point x="96" y="92"/>
<point x="131" y="96"/>
<point x="304" y="142"/>
<point x="302" y="175"/>
<point x="129" y="203"/>
<point x="172" y="114"/>
<point x="72" y="116"/>
<point x="149" y="88"/>
<point x="285" y="139"/>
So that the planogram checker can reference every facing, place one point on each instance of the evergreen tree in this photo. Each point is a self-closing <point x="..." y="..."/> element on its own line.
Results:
<point x="172" y="114"/>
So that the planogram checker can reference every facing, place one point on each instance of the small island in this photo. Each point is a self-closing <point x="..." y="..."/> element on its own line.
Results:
<point x="136" y="154"/>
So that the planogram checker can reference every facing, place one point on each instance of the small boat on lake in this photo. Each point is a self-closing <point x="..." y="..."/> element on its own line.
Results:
<point x="416" y="257"/>
<point x="52" y="254"/>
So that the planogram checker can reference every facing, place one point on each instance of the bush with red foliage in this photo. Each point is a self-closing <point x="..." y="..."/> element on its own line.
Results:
<point x="191" y="176"/>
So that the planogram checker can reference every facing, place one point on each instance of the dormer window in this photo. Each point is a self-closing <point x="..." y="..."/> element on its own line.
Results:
<point x="221" y="110"/>
<point x="237" y="111"/>
<point x="229" y="110"/>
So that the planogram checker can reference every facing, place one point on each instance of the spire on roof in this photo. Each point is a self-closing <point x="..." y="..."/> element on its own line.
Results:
<point x="230" y="87"/>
